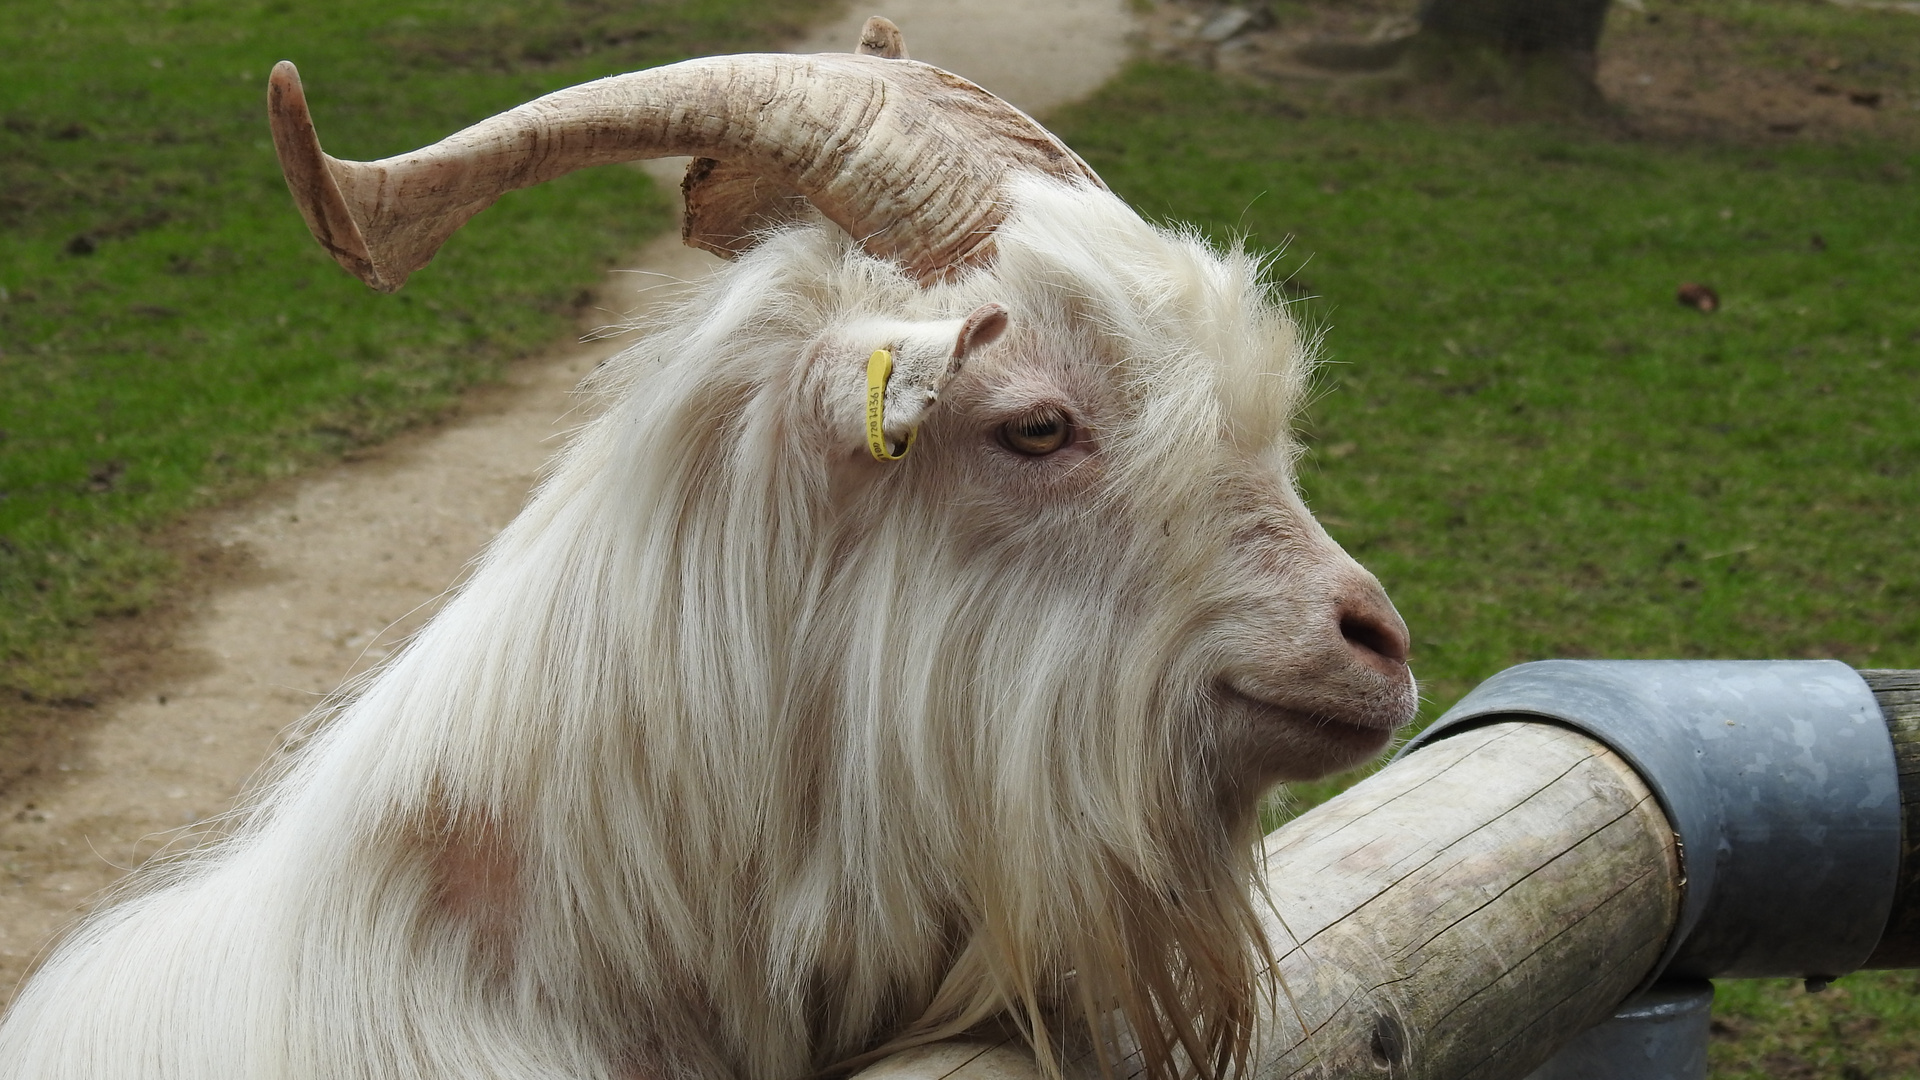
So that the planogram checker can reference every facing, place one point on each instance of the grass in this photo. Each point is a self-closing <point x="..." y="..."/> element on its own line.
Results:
<point x="1866" y="1025"/>
<point x="1866" y="47"/>
<point x="1540" y="452"/>
<point x="171" y="337"/>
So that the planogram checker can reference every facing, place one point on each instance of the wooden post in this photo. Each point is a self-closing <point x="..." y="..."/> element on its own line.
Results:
<point x="1899" y="695"/>
<point x="1467" y="911"/>
<point x="1461" y="914"/>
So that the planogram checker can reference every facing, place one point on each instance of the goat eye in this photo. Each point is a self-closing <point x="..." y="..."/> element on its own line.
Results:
<point x="1038" y="433"/>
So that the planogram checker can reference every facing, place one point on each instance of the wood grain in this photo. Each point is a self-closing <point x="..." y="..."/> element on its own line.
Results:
<point x="1467" y="911"/>
<point x="1899" y="695"/>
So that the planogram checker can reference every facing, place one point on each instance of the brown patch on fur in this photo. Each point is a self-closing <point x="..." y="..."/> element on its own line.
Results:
<point x="643" y="1061"/>
<point x="475" y="865"/>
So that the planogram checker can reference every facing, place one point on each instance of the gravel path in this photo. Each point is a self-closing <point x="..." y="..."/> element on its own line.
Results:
<point x="348" y="562"/>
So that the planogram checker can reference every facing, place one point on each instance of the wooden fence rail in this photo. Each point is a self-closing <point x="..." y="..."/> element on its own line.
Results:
<point x="1469" y="909"/>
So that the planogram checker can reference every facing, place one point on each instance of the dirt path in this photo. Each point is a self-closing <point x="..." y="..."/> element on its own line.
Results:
<point x="350" y="561"/>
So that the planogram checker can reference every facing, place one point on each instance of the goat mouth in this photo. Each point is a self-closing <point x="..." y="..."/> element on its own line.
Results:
<point x="1361" y="729"/>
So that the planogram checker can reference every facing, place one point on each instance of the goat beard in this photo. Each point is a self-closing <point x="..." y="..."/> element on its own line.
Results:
<point x="1168" y="971"/>
<point x="1132" y="973"/>
<point x="1121" y="926"/>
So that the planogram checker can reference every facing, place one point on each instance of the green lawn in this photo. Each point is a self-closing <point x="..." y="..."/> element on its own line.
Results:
<point x="169" y="333"/>
<point x="1541" y="453"/>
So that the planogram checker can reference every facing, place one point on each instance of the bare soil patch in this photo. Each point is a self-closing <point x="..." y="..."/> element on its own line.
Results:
<point x="1684" y="70"/>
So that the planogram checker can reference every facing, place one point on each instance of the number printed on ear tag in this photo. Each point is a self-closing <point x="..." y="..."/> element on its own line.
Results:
<point x="879" y="370"/>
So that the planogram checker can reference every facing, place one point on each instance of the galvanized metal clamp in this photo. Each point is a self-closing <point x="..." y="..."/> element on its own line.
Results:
<point x="1778" y="777"/>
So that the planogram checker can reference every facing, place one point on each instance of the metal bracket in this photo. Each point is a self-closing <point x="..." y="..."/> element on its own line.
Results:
<point x="1660" y="1035"/>
<point x="1779" y="780"/>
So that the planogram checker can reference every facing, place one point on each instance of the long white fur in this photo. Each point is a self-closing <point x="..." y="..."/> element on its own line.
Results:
<point x="777" y="755"/>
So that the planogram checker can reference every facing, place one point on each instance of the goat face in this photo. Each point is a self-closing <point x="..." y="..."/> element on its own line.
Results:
<point x="1103" y="453"/>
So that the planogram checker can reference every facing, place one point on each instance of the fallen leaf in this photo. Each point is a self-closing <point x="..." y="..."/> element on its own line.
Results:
<point x="1699" y="297"/>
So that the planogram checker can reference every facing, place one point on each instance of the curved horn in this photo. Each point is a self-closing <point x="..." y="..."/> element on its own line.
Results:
<point x="908" y="158"/>
<point x="727" y="206"/>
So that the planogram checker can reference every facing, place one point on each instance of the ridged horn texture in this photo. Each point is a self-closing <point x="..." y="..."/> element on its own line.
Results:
<point x="909" y="159"/>
<point x="726" y="205"/>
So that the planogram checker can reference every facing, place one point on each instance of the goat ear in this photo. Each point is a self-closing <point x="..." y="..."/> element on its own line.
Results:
<point x="980" y="329"/>
<point x="926" y="356"/>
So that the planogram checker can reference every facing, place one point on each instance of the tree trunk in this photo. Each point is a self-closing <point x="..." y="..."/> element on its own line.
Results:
<point x="1530" y="52"/>
<point x="1519" y="27"/>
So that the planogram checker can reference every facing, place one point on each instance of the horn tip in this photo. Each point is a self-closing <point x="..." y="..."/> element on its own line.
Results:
<point x="880" y="37"/>
<point x="310" y="179"/>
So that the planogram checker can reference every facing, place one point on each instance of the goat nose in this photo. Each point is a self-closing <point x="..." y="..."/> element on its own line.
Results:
<point x="1375" y="632"/>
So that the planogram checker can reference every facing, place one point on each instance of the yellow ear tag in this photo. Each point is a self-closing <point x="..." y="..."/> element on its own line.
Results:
<point x="879" y="370"/>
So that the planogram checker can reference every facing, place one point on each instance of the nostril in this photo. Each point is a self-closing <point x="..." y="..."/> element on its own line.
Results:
<point x="1372" y="633"/>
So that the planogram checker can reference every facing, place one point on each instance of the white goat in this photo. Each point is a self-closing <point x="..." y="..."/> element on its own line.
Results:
<point x="745" y="755"/>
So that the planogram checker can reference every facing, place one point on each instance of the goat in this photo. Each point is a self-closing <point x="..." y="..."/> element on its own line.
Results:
<point x="809" y="710"/>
